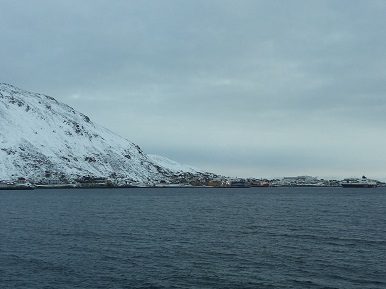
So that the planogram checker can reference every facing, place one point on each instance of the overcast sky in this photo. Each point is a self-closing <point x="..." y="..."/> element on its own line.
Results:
<point x="241" y="88"/>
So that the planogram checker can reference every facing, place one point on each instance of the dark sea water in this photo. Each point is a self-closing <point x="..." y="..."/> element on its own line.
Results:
<point x="193" y="238"/>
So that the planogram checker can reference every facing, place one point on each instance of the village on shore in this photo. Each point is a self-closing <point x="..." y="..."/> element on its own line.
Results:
<point x="185" y="180"/>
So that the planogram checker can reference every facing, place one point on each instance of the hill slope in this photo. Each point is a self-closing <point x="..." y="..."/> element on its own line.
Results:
<point x="41" y="137"/>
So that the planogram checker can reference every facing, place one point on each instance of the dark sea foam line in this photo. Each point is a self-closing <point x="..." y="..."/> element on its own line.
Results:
<point x="326" y="238"/>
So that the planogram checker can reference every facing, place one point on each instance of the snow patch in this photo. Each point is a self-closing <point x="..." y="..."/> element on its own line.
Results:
<point x="172" y="165"/>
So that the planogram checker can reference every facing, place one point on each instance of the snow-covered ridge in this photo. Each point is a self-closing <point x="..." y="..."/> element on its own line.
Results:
<point x="43" y="138"/>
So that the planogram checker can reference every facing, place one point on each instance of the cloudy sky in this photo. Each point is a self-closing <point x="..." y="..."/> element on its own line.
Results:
<point x="266" y="88"/>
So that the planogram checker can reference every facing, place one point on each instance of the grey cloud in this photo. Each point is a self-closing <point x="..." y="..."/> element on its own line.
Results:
<point x="211" y="75"/>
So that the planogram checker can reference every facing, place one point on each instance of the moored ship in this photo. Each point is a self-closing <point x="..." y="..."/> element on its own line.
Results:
<point x="359" y="183"/>
<point x="15" y="187"/>
<point x="19" y="184"/>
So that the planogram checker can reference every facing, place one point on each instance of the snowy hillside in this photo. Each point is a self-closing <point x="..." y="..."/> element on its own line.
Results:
<point x="172" y="165"/>
<point x="43" y="138"/>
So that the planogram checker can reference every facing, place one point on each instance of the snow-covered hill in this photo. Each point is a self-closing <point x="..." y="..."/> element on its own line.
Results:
<point x="42" y="138"/>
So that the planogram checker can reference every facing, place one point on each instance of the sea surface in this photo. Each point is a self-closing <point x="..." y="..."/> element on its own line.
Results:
<point x="193" y="238"/>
